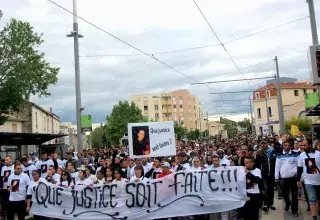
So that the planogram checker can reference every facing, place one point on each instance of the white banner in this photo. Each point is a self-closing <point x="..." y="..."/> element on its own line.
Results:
<point x="179" y="194"/>
<point x="153" y="139"/>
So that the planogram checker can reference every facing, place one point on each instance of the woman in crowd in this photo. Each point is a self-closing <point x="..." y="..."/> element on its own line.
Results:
<point x="138" y="175"/>
<point x="118" y="177"/>
<point x="109" y="175"/>
<point x="83" y="181"/>
<point x="100" y="178"/>
<point x="66" y="180"/>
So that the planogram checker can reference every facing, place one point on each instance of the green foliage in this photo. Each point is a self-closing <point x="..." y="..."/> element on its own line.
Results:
<point x="245" y="124"/>
<point x="230" y="126"/>
<point x="117" y="121"/>
<point x="304" y="124"/>
<point x="193" y="135"/>
<point x="98" y="137"/>
<point x="180" y="131"/>
<point x="23" y="69"/>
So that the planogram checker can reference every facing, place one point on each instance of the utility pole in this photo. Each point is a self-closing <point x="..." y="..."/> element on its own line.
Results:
<point x="252" y="125"/>
<point x="313" y="25"/>
<point x="279" y="99"/>
<point x="79" y="109"/>
<point x="267" y="109"/>
<point x="313" y="22"/>
<point x="208" y="125"/>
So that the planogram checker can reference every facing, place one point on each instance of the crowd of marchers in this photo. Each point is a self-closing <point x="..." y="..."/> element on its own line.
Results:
<point x="289" y="165"/>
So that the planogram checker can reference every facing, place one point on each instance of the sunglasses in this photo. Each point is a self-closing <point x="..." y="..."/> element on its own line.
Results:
<point x="64" y="174"/>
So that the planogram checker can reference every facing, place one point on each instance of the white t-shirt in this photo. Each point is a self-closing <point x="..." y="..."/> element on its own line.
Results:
<point x="310" y="172"/>
<point x="43" y="166"/>
<point x="81" y="184"/>
<point x="123" y="180"/>
<point x="28" y="170"/>
<point x="92" y="178"/>
<point x="34" y="184"/>
<point x="20" y="184"/>
<point x="65" y="184"/>
<point x="224" y="162"/>
<point x="251" y="186"/>
<point x="74" y="176"/>
<point x="5" y="173"/>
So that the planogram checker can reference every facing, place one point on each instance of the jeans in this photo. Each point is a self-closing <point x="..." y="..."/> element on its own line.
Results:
<point x="18" y="207"/>
<point x="250" y="210"/>
<point x="290" y="185"/>
<point x="313" y="192"/>
<point x="268" y="182"/>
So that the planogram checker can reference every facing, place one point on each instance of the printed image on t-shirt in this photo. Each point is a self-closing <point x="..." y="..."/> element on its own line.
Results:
<point x="6" y="175"/>
<point x="250" y="184"/>
<point x="44" y="168"/>
<point x="311" y="166"/>
<point x="15" y="185"/>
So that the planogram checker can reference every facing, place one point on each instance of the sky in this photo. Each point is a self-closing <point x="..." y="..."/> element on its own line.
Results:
<point x="164" y="25"/>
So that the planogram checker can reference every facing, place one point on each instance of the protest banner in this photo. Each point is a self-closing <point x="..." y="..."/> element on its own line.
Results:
<point x="153" y="139"/>
<point x="179" y="194"/>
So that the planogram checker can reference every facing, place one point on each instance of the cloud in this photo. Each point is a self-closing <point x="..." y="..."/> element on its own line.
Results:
<point x="156" y="26"/>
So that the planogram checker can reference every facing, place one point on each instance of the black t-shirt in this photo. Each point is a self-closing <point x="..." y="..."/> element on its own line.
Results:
<point x="139" y="147"/>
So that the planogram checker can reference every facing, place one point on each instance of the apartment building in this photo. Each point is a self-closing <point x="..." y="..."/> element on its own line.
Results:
<point x="293" y="99"/>
<point x="179" y="106"/>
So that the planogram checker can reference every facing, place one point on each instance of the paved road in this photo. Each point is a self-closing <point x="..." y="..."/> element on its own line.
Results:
<point x="280" y="214"/>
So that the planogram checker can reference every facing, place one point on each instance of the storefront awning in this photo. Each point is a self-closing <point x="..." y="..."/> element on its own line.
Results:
<point x="8" y="138"/>
<point x="315" y="111"/>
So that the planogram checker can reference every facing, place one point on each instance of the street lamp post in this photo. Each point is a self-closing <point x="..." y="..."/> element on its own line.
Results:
<point x="79" y="109"/>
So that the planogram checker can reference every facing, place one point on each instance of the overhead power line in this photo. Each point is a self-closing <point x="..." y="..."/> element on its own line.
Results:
<point x="218" y="106"/>
<point x="128" y="44"/>
<point x="230" y="100"/>
<point x="205" y="46"/>
<point x="216" y="93"/>
<point x="204" y="17"/>
<point x="233" y="80"/>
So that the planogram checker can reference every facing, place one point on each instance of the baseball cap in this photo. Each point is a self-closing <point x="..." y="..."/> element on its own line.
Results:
<point x="220" y="150"/>
<point x="263" y="142"/>
<point x="165" y="164"/>
<point x="33" y="154"/>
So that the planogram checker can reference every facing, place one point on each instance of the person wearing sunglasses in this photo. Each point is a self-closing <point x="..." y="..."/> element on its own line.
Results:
<point x="18" y="183"/>
<point x="66" y="180"/>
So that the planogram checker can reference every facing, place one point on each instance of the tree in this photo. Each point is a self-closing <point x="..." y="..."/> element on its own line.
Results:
<point x="117" y="121"/>
<point x="245" y="124"/>
<point x="230" y="126"/>
<point x="193" y="135"/>
<point x="304" y="124"/>
<point x="23" y="69"/>
<point x="98" y="137"/>
<point x="180" y="131"/>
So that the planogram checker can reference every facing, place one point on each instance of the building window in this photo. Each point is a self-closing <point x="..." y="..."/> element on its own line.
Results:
<point x="14" y="127"/>
<point x="257" y="95"/>
<point x="296" y="92"/>
<point x="260" y="130"/>
<point x="270" y="111"/>
<point x="314" y="90"/>
<point x="145" y="108"/>
<point x="259" y="113"/>
<point x="194" y="107"/>
<point x="304" y="91"/>
<point x="44" y="123"/>
<point x="174" y="106"/>
<point x="145" y="98"/>
<point x="271" y="129"/>
<point x="268" y="94"/>
<point x="180" y="98"/>
<point x="180" y="106"/>
<point x="156" y="115"/>
<point x="156" y="107"/>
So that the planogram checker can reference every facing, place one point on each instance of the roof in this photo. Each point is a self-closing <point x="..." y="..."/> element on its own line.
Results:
<point x="12" y="117"/>
<point x="42" y="109"/>
<point x="288" y="85"/>
<point x="9" y="138"/>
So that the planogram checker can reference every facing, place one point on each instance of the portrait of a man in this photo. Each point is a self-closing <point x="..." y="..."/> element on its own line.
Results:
<point x="141" y="144"/>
